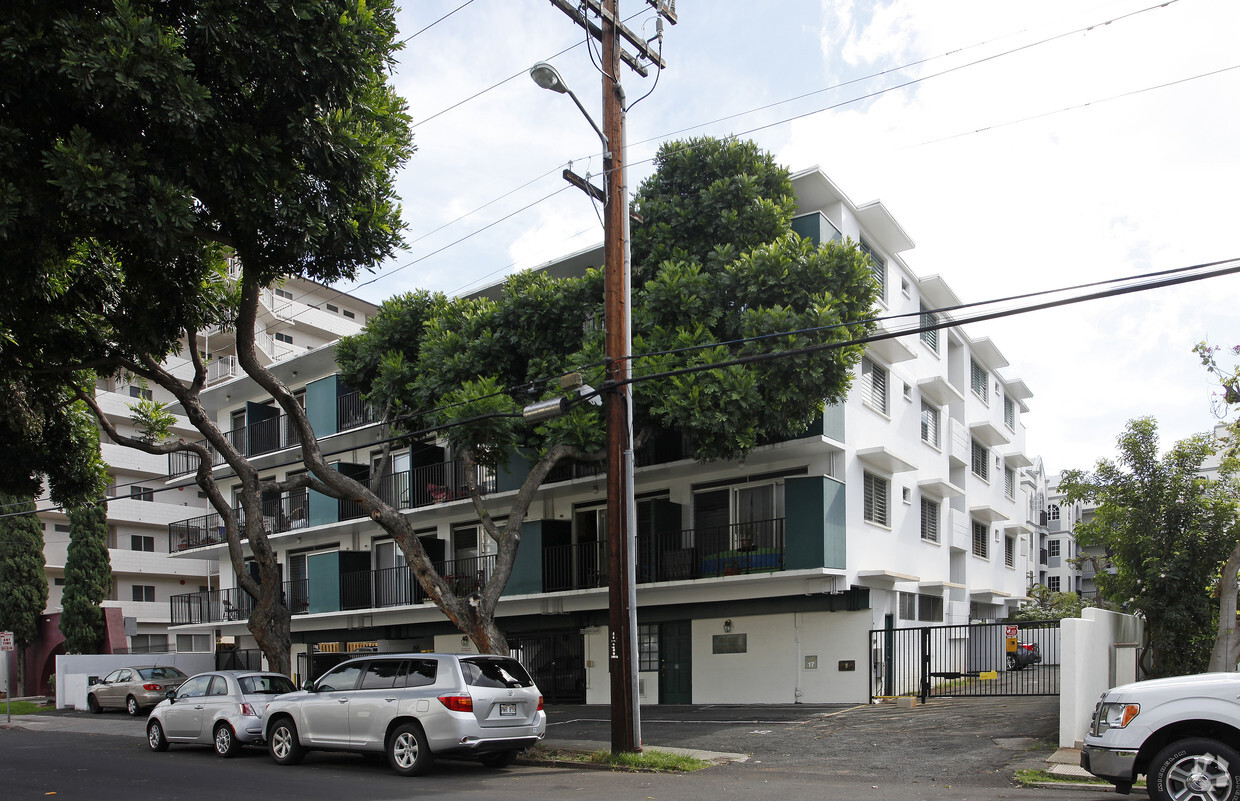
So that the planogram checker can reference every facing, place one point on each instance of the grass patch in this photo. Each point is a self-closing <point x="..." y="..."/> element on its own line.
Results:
<point x="25" y="707"/>
<point x="650" y="759"/>
<point x="1031" y="778"/>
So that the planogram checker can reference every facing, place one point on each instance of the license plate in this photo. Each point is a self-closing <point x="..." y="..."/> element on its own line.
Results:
<point x="508" y="710"/>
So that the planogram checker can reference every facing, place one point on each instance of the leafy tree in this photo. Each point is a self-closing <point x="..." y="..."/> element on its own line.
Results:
<point x="1226" y="653"/>
<point x="715" y="262"/>
<point x="144" y="145"/>
<point x="23" y="580"/>
<point x="88" y="579"/>
<point x="1048" y="604"/>
<point x="1168" y="530"/>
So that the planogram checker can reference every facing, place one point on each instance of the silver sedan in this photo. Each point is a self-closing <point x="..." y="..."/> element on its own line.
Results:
<point x="222" y="708"/>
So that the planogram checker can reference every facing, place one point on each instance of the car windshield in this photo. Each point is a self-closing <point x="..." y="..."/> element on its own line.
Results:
<point x="166" y="673"/>
<point x="495" y="673"/>
<point x="266" y="685"/>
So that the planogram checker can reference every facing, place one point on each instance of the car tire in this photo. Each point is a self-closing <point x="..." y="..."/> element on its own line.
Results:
<point x="407" y="751"/>
<point x="155" y="736"/>
<point x="282" y="743"/>
<point x="225" y="740"/>
<point x="1196" y="767"/>
<point x="1013" y="663"/>
<point x="131" y="706"/>
<point x="499" y="759"/>
<point x="92" y="703"/>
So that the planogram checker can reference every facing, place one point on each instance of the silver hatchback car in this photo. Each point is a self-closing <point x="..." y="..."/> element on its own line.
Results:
<point x="411" y="707"/>
<point x="222" y="708"/>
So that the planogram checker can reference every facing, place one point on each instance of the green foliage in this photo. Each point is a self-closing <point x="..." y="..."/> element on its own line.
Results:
<point x="1167" y="530"/>
<point x="88" y="579"/>
<point x="152" y="419"/>
<point x="23" y="582"/>
<point x="145" y="143"/>
<point x="1048" y="604"/>
<point x="714" y="262"/>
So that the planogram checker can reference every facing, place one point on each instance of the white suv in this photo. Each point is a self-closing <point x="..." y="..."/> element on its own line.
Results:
<point x="411" y="707"/>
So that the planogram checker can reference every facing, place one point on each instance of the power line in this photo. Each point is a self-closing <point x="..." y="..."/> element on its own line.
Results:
<point x="436" y="22"/>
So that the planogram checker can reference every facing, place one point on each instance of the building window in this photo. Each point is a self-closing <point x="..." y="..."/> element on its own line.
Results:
<point x="1052" y="548"/>
<point x="61" y="528"/>
<point x="929" y="519"/>
<point x="148" y="644"/>
<point x="140" y="392"/>
<point x="195" y="643"/>
<point x="1009" y="551"/>
<point x="144" y="593"/>
<point x="908" y="393"/>
<point x="876" y="499"/>
<point x="142" y="494"/>
<point x="929" y="318"/>
<point x="1009" y="483"/>
<point x="878" y="267"/>
<point x="929" y="424"/>
<point x="333" y="308"/>
<point x="285" y="338"/>
<point x="1054" y="511"/>
<point x="874" y="385"/>
<point x="930" y="608"/>
<point x="979" y="381"/>
<point x="284" y="293"/>
<point x="981" y="464"/>
<point x="981" y="540"/>
<point x="141" y="543"/>
<point x="58" y="581"/>
<point x="648" y="647"/>
<point x="1053" y="583"/>
<point x="349" y="314"/>
<point x="914" y="606"/>
<point x="1009" y="412"/>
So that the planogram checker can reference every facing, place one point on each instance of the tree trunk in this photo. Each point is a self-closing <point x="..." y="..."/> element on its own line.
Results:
<point x="1227" y="643"/>
<point x="271" y="624"/>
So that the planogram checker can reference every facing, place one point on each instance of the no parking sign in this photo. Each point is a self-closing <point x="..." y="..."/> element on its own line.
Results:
<point x="1010" y="633"/>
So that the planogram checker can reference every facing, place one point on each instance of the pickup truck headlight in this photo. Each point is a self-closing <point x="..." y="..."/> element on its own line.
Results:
<point x="1114" y="716"/>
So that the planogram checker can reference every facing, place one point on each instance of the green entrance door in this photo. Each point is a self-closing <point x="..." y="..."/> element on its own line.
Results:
<point x="675" y="663"/>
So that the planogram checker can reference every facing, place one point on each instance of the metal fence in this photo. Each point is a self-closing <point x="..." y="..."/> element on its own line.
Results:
<point x="965" y="660"/>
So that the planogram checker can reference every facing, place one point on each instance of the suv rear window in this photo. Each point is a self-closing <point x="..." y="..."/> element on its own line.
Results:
<point x="266" y="685"/>
<point x="495" y="673"/>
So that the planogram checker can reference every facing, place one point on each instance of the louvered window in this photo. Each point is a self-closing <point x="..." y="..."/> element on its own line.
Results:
<point x="929" y="520"/>
<point x="981" y="462"/>
<point x="929" y="424"/>
<point x="874" y="385"/>
<point x="981" y="541"/>
<point x="931" y="338"/>
<point x="979" y="381"/>
<point x="1009" y="551"/>
<point x="1009" y="413"/>
<point x="878" y="267"/>
<point x="1009" y="483"/>
<point x="876" y="499"/>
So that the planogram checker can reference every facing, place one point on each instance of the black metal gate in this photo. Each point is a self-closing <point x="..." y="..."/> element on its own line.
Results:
<point x="556" y="661"/>
<point x="968" y="660"/>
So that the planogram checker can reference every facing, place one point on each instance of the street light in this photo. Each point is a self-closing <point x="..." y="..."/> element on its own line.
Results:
<point x="617" y="407"/>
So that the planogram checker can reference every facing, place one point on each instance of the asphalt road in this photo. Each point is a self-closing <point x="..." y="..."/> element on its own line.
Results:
<point x="949" y="749"/>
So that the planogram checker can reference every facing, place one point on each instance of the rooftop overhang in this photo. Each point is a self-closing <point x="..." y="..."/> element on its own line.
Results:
<point x="939" y="391"/>
<point x="989" y="434"/>
<point x="987" y="353"/>
<point x="883" y="579"/>
<point x="940" y="488"/>
<point x="987" y="514"/>
<point x="885" y="459"/>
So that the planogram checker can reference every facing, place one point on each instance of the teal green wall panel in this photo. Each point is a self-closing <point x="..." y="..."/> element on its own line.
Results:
<point x="321" y="406"/>
<point x="815" y="529"/>
<point x="817" y="228"/>
<point x="527" y="568"/>
<point x="323" y="581"/>
<point x="510" y="477"/>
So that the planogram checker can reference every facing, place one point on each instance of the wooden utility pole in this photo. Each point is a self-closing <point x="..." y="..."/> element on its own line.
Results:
<point x="617" y="408"/>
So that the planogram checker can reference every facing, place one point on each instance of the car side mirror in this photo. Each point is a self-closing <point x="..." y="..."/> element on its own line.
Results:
<point x="92" y="681"/>
<point x="172" y="696"/>
<point x="308" y="686"/>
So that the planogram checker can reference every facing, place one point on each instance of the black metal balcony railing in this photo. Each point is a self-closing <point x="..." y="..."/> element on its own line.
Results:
<point x="219" y="606"/>
<point x="397" y="586"/>
<point x="280" y="514"/>
<point x="752" y="547"/>
<point x="412" y="489"/>
<point x="366" y="589"/>
<point x="742" y="548"/>
<point x="271" y="435"/>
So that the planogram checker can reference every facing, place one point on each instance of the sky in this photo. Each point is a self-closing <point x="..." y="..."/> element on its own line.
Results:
<point x="1024" y="145"/>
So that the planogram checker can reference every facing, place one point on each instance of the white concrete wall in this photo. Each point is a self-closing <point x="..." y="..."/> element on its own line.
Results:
<point x="73" y="671"/>
<point x="1099" y="652"/>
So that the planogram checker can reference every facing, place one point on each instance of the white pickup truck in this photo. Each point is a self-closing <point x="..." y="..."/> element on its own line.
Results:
<point x="1182" y="733"/>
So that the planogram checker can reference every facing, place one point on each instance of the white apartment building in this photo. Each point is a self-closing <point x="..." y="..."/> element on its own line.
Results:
<point x="295" y="317"/>
<point x="758" y="581"/>
<point x="1062" y="573"/>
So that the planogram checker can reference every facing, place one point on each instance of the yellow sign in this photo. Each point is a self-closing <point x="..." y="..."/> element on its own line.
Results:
<point x="1011" y="645"/>
<point x="988" y="675"/>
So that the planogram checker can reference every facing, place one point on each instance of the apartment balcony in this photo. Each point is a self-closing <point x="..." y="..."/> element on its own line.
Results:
<point x="411" y="489"/>
<point x="743" y="548"/>
<point x="273" y="434"/>
<point x="222" y="606"/>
